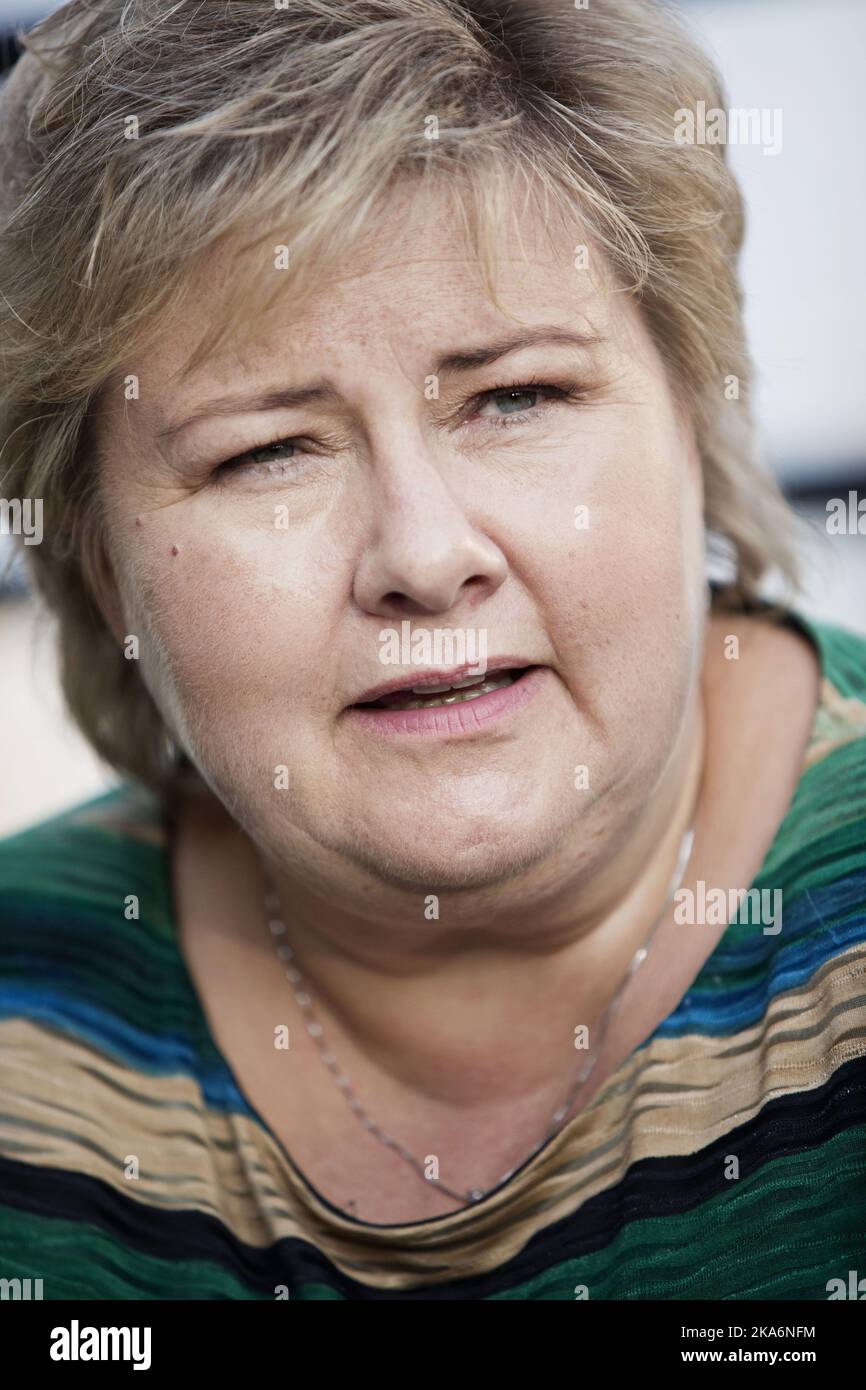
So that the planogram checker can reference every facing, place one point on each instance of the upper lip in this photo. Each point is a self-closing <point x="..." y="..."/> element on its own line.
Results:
<point x="433" y="676"/>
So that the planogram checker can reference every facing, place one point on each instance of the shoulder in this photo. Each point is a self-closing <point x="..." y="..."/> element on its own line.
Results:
<point x="843" y="654"/>
<point x="799" y="682"/>
<point x="839" y="724"/>
<point x="79" y="856"/>
<point x="797" y="946"/>
<point x="819" y="855"/>
<point x="841" y="718"/>
<point x="832" y="787"/>
<point x="798" y="662"/>
<point x="76" y="891"/>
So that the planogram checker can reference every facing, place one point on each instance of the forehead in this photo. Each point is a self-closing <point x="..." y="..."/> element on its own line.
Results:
<point x="406" y="294"/>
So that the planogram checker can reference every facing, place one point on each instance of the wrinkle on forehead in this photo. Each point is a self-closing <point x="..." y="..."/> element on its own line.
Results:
<point x="419" y="229"/>
<point x="399" y="304"/>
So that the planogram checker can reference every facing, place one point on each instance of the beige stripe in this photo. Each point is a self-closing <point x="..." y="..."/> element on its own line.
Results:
<point x="839" y="720"/>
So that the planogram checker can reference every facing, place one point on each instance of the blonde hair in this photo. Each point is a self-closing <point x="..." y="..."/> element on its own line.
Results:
<point x="304" y="117"/>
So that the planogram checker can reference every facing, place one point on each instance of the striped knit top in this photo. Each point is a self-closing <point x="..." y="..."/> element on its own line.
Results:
<point x="724" y="1159"/>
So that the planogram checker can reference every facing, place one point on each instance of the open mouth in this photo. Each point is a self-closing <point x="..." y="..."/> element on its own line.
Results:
<point x="430" y="696"/>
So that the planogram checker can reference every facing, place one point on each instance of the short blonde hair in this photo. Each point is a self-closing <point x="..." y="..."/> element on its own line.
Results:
<point x="252" y="114"/>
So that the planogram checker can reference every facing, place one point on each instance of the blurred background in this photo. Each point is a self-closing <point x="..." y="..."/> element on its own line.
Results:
<point x="806" y="316"/>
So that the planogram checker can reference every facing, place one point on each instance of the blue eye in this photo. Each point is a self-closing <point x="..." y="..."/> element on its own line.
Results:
<point x="519" y="399"/>
<point x="263" y="460"/>
<point x="269" y="449"/>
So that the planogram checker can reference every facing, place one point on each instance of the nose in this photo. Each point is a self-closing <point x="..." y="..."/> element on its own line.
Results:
<point x="426" y="554"/>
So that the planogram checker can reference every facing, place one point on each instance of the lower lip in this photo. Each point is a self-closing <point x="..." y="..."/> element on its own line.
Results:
<point x="466" y="719"/>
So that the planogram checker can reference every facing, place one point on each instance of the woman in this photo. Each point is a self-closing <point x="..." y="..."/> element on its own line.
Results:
<point x="374" y="364"/>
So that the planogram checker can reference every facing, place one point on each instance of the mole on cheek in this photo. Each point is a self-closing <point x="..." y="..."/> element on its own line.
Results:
<point x="174" y="550"/>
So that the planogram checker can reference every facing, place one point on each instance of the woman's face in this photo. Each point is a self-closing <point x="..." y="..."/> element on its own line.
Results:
<point x="557" y="527"/>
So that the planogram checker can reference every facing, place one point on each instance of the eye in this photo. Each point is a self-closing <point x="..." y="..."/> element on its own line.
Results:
<point x="516" y="402"/>
<point x="277" y="458"/>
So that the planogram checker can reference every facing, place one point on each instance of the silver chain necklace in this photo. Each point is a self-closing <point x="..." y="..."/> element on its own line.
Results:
<point x="277" y="928"/>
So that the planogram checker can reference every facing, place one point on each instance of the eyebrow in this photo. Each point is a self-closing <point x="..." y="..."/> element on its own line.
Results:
<point x="450" y="363"/>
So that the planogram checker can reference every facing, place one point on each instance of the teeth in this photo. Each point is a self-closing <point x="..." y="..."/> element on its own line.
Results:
<point x="467" y="681"/>
<point x="459" y="696"/>
<point x="451" y="685"/>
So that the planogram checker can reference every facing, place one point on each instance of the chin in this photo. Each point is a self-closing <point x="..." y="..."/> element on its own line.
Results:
<point x="461" y="856"/>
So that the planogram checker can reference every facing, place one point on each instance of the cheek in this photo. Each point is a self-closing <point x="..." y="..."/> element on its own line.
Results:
<point x="609" y="530"/>
<point x="227" y="623"/>
<point x="619" y="572"/>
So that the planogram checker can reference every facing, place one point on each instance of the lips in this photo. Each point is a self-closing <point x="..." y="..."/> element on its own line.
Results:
<point x="432" y="689"/>
<point x="489" y="709"/>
